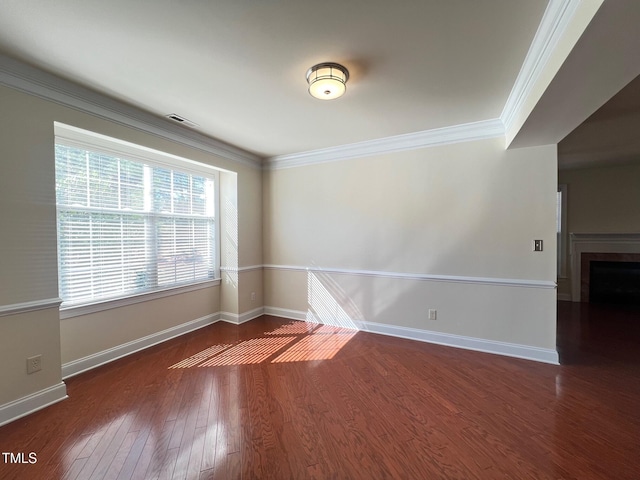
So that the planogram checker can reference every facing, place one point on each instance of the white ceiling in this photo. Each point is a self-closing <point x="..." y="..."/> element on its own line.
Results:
<point x="237" y="67"/>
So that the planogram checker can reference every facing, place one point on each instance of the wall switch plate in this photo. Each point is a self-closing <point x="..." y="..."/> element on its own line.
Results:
<point x="433" y="314"/>
<point x="34" y="364"/>
<point x="537" y="245"/>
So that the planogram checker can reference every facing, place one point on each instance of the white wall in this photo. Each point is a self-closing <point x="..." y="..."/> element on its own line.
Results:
<point x="468" y="212"/>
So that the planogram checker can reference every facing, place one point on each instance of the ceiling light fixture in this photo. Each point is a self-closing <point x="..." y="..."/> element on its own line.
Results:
<point x="327" y="80"/>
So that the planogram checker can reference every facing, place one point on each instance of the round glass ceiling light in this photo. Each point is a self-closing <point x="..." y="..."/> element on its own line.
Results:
<point x="327" y="80"/>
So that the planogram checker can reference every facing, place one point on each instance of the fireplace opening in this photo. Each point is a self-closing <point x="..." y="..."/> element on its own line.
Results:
<point x="614" y="282"/>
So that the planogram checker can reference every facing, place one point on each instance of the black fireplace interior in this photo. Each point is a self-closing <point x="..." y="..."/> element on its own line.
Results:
<point x="614" y="282"/>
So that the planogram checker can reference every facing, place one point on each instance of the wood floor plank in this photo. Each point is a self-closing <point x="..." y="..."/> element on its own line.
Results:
<point x="74" y="471"/>
<point x="115" y="442"/>
<point x="136" y="462"/>
<point x="116" y="465"/>
<point x="214" y="428"/>
<point x="233" y="466"/>
<point x="168" y="464"/>
<point x="189" y="439"/>
<point x="100" y="455"/>
<point x="312" y="449"/>
<point x="374" y="407"/>
<point x="155" y="449"/>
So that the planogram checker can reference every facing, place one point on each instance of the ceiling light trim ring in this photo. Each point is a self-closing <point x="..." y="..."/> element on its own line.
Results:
<point x="327" y="80"/>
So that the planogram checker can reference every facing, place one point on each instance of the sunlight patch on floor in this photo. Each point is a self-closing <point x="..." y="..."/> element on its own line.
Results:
<point x="318" y="346"/>
<point x="292" y="342"/>
<point x="248" y="352"/>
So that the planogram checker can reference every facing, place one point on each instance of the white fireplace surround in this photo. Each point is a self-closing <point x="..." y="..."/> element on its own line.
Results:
<point x="580" y="243"/>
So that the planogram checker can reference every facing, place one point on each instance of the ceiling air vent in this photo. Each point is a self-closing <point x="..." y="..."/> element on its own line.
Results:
<point x="181" y="120"/>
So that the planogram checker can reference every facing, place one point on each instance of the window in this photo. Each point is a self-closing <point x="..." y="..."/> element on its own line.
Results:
<point x="130" y="220"/>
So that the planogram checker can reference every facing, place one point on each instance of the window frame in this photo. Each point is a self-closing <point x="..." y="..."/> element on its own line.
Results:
<point x="75" y="137"/>
<point x="562" y="234"/>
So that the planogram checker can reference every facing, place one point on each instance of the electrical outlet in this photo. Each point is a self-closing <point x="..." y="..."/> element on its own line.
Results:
<point x="34" y="364"/>
<point x="253" y="296"/>
<point x="433" y="314"/>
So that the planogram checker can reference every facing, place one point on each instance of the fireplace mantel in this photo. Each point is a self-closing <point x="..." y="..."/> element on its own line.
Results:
<point x="597" y="243"/>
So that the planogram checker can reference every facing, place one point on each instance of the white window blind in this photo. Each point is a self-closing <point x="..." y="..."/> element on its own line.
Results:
<point x="127" y="226"/>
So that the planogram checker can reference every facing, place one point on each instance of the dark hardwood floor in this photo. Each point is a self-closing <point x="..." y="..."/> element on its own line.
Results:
<point x="279" y="399"/>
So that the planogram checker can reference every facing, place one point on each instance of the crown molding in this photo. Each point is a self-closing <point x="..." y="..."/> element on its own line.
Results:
<point x="555" y="20"/>
<point x="20" y="76"/>
<point x="410" y="141"/>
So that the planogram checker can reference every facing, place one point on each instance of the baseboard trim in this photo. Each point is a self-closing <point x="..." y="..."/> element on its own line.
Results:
<point x="237" y="319"/>
<point x="95" y="360"/>
<point x="32" y="403"/>
<point x="286" y="313"/>
<point x="526" y="352"/>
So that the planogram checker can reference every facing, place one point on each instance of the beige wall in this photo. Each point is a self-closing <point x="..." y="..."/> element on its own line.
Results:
<point x="467" y="210"/>
<point x="22" y="336"/>
<point x="601" y="200"/>
<point x="28" y="271"/>
<point x="252" y="283"/>
<point x="87" y="335"/>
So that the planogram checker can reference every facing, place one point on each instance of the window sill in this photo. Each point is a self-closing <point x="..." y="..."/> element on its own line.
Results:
<point x="88" y="308"/>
